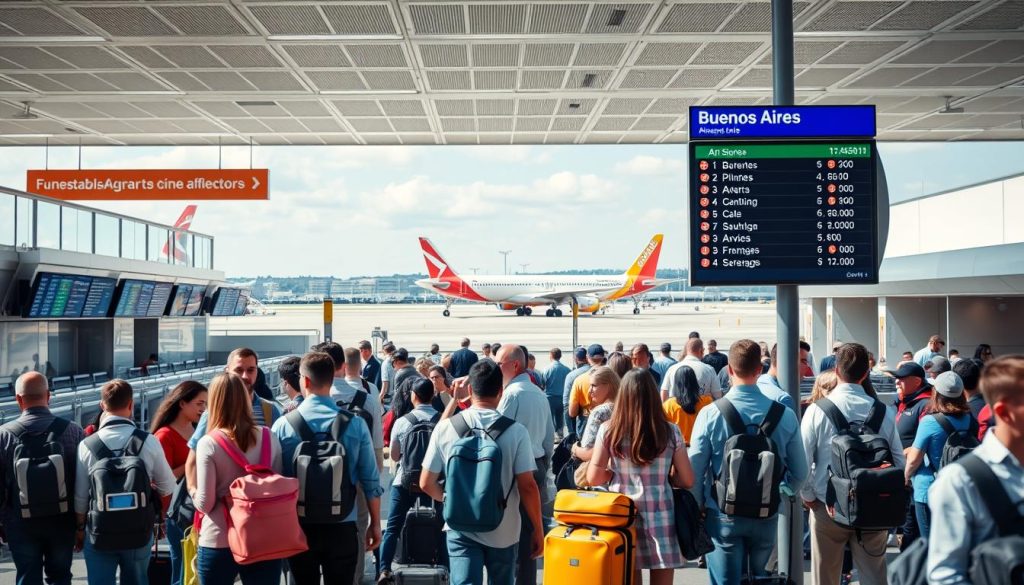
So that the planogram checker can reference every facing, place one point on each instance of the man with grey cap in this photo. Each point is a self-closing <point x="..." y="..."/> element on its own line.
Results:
<point x="948" y="414"/>
<point x="43" y="544"/>
<point x="937" y="365"/>
<point x="914" y="394"/>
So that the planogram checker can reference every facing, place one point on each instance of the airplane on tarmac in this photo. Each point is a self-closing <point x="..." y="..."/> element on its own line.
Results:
<point x="521" y="292"/>
<point x="180" y="252"/>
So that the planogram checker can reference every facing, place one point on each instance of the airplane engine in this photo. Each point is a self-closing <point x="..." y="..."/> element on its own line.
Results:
<point x="589" y="304"/>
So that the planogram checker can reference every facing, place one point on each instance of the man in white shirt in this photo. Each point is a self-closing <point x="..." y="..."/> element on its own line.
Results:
<point x="525" y="403"/>
<point x="961" y="516"/>
<point x="707" y="377"/>
<point x="470" y="552"/>
<point x="117" y="432"/>
<point x="829" y="539"/>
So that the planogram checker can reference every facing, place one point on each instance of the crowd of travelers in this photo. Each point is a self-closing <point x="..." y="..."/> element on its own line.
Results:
<point x="245" y="482"/>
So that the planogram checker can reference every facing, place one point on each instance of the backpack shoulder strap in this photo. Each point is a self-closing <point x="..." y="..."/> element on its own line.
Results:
<point x="340" y="424"/>
<point x="1002" y="509"/>
<point x="57" y="427"/>
<point x="268" y="412"/>
<point x="16" y="428"/>
<point x="98" y="448"/>
<point x="265" y="454"/>
<point x="366" y="385"/>
<point x="499" y="426"/>
<point x="135" y="443"/>
<point x="300" y="425"/>
<point x="944" y="423"/>
<point x="230" y="448"/>
<point x="460" y="425"/>
<point x="435" y="419"/>
<point x="834" y="414"/>
<point x="876" y="417"/>
<point x="359" y="400"/>
<point x="411" y="418"/>
<point x="732" y="416"/>
<point x="773" y="418"/>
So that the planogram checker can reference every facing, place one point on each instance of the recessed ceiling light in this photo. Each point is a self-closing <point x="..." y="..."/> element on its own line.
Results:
<point x="256" y="104"/>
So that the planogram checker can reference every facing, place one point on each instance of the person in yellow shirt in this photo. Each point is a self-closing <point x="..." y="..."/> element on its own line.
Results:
<point x="685" y="401"/>
<point x="579" y="397"/>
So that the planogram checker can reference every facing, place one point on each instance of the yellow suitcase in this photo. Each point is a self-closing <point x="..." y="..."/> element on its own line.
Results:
<point x="594" y="508"/>
<point x="588" y="555"/>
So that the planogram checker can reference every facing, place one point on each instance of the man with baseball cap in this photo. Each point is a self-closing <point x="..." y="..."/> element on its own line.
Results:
<point x="938" y="365"/>
<point x="914" y="393"/>
<point x="581" y="367"/>
<point x="926" y="353"/>
<point x="579" y="396"/>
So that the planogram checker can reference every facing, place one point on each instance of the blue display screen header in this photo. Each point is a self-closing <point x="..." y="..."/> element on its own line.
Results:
<point x="729" y="122"/>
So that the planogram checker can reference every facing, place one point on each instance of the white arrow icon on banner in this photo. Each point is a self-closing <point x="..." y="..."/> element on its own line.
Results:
<point x="255" y="182"/>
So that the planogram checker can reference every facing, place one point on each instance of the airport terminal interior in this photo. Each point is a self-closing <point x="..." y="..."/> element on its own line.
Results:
<point x="88" y="294"/>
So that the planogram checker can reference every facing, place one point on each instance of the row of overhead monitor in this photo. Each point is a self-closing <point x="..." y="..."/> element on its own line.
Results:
<point x="78" y="296"/>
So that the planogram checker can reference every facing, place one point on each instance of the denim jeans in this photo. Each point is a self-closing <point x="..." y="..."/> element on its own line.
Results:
<point x="555" y="403"/>
<point x="174" y="537"/>
<point x="401" y="501"/>
<point x="468" y="559"/>
<point x="36" y="552"/>
<point x="924" y="518"/>
<point x="101" y="565"/>
<point x="218" y="567"/>
<point x="742" y="545"/>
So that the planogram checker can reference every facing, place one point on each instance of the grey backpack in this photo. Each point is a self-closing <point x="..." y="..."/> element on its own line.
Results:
<point x="748" y="482"/>
<point x="326" y="492"/>
<point x="39" y="486"/>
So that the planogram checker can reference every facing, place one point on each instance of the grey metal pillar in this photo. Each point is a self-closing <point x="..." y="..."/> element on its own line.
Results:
<point x="787" y="296"/>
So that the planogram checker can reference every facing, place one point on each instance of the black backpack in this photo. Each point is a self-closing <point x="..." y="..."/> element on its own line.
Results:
<point x="122" y="509"/>
<point x="358" y="406"/>
<point x="326" y="492"/>
<point x="414" y="449"/>
<point x="181" y="508"/>
<point x="958" y="443"/>
<point x="748" y="481"/>
<point x="40" y="489"/>
<point x="999" y="561"/>
<point x="865" y="489"/>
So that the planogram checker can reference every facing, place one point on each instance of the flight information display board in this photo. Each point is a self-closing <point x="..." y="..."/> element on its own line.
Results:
<point x="142" y="298"/>
<point x="182" y="293"/>
<point x="195" y="301"/>
<point x="65" y="296"/>
<point x="769" y="212"/>
<point x="224" y="302"/>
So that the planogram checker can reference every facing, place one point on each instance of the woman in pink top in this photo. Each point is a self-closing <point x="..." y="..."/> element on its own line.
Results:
<point x="229" y="412"/>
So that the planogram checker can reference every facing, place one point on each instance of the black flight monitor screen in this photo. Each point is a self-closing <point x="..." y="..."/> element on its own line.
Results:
<point x="195" y="301"/>
<point x="64" y="296"/>
<point x="225" y="302"/>
<point x="793" y="211"/>
<point x="142" y="298"/>
<point x="181" y="295"/>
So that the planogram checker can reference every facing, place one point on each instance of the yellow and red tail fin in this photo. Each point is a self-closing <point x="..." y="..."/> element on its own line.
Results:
<point x="646" y="264"/>
<point x="437" y="267"/>
<point x="184" y="222"/>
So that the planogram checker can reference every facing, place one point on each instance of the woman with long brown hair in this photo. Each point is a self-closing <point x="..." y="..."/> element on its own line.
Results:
<point x="604" y="388"/>
<point x="173" y="425"/>
<point x="641" y="454"/>
<point x="229" y="414"/>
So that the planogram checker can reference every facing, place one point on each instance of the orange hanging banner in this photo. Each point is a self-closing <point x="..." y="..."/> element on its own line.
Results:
<point x="150" y="184"/>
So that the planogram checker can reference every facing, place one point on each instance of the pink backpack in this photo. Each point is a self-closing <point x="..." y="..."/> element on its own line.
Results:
<point x="260" y="508"/>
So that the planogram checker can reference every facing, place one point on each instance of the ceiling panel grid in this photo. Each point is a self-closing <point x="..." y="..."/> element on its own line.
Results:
<point x="504" y="71"/>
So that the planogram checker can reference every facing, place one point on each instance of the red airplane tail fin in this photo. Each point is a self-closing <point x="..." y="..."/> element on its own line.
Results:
<point x="184" y="222"/>
<point x="437" y="267"/>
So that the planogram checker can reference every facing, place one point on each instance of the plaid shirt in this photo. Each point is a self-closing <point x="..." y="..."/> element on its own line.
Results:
<point x="35" y="420"/>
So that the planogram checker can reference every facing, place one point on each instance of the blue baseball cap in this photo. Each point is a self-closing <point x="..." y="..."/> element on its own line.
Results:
<point x="595" y="350"/>
<point x="581" y="353"/>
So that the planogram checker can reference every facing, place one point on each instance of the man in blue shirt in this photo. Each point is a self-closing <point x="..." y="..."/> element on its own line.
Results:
<point x="741" y="542"/>
<point x="462" y="360"/>
<point x="769" y="381"/>
<point x="664" y="361"/>
<point x="582" y="367"/>
<point x="333" y="548"/>
<point x="554" y="385"/>
<point x="926" y="353"/>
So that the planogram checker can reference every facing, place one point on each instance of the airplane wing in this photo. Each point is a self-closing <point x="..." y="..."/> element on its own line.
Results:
<point x="560" y="296"/>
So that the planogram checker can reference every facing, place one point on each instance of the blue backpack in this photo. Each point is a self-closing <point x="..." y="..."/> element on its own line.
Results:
<point x="474" y="499"/>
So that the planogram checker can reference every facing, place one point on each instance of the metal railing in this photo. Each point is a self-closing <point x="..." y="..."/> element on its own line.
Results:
<point x="35" y="221"/>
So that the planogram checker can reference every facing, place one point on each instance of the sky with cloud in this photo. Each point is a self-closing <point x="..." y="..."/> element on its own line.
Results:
<point x="357" y="210"/>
